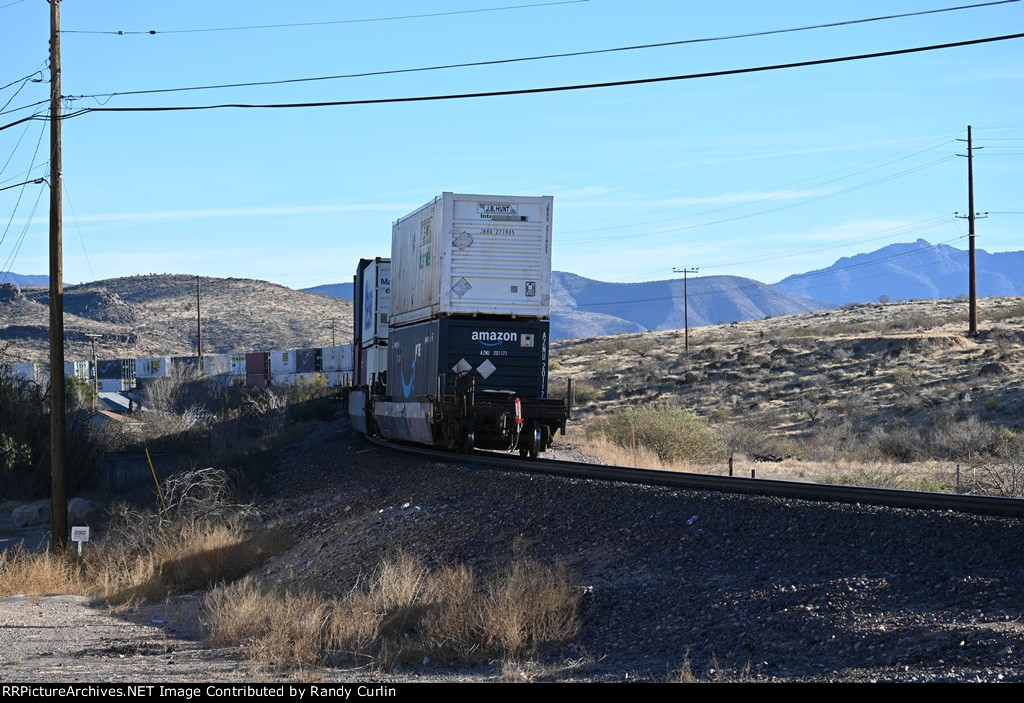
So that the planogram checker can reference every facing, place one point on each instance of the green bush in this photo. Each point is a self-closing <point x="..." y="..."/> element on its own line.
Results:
<point x="668" y="429"/>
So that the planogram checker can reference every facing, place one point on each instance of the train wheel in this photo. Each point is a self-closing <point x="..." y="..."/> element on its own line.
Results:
<point x="468" y="442"/>
<point x="534" y="447"/>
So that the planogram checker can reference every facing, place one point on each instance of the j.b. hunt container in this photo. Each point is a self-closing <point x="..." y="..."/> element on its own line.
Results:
<point x="500" y="355"/>
<point x="462" y="255"/>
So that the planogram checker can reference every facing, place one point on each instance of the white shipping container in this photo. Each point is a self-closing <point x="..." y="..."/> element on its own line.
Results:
<point x="21" y="370"/>
<point x="306" y="379"/>
<point x="472" y="255"/>
<point x="216" y="364"/>
<point x="111" y="385"/>
<point x="153" y="367"/>
<point x="76" y="369"/>
<point x="376" y="360"/>
<point x="238" y="365"/>
<point x="338" y="379"/>
<point x="338" y="358"/>
<point x="281" y="362"/>
<point x="376" y="299"/>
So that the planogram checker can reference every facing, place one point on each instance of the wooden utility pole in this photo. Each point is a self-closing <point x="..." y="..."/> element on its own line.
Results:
<point x="95" y="373"/>
<point x="199" y="326"/>
<point x="971" y="217"/>
<point x="686" y="307"/>
<point x="58" y="421"/>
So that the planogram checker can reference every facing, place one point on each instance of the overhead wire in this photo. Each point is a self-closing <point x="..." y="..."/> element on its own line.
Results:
<point x="334" y="22"/>
<point x="560" y="88"/>
<point x="541" y="57"/>
<point x="774" y="196"/>
<point x="787" y="206"/>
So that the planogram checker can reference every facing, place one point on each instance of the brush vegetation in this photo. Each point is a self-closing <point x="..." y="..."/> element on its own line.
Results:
<point x="402" y="614"/>
<point x="828" y="395"/>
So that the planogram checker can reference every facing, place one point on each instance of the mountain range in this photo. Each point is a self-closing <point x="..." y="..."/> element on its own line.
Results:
<point x="908" y="271"/>
<point x="581" y="307"/>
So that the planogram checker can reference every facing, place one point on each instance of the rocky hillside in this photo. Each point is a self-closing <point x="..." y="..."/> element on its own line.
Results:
<point x="156" y="315"/>
<point x="897" y="382"/>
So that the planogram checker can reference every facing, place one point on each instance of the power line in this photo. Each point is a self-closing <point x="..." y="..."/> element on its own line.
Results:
<point x="557" y="89"/>
<point x="765" y="198"/>
<point x="770" y="210"/>
<point x="542" y="57"/>
<point x="837" y="244"/>
<point x="330" y="22"/>
<point x="937" y="144"/>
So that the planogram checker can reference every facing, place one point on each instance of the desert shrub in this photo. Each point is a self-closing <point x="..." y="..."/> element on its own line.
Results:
<point x="583" y="393"/>
<point x="402" y="613"/>
<point x="200" y="538"/>
<point x="898" y="442"/>
<point x="25" y="442"/>
<point x="1003" y="473"/>
<point x="961" y="438"/>
<point x="184" y="390"/>
<point x="673" y="432"/>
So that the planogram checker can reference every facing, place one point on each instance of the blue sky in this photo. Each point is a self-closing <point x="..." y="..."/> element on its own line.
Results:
<point x="761" y="175"/>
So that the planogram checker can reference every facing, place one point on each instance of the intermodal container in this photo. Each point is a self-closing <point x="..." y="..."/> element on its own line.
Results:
<point x="464" y="255"/>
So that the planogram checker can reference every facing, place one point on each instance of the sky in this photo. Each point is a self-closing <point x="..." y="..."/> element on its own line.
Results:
<point x="759" y="174"/>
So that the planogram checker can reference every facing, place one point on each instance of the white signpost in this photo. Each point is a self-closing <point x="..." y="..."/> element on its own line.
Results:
<point x="80" y="534"/>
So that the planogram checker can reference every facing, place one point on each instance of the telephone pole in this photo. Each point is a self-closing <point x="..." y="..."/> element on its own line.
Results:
<point x="971" y="216"/>
<point x="686" y="307"/>
<point x="58" y="421"/>
<point x="199" y="326"/>
<point x="95" y="372"/>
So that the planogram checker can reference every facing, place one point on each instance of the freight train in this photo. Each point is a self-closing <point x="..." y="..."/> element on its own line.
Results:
<point x="332" y="366"/>
<point x="452" y="330"/>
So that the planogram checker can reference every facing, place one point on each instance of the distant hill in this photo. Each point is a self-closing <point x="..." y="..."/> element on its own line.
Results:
<point x="909" y="271"/>
<point x="23" y="280"/>
<point x="335" y="290"/>
<point x="155" y="315"/>
<point x="584" y="307"/>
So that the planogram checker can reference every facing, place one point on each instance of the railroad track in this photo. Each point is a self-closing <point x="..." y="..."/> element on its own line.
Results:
<point x="966" y="503"/>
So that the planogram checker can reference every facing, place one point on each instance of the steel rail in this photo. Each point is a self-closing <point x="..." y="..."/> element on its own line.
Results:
<point x="957" y="502"/>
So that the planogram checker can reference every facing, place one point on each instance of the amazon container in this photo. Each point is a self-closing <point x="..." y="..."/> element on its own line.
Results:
<point x="465" y="255"/>
<point x="506" y="355"/>
<point x="308" y="360"/>
<point x="112" y="369"/>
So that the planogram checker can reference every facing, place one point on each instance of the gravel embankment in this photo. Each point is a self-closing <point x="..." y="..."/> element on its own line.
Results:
<point x="771" y="589"/>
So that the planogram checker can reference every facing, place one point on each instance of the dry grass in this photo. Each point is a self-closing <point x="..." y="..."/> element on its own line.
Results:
<point x="405" y="613"/>
<point x="199" y="539"/>
<point x="28" y="573"/>
<point x="866" y="394"/>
